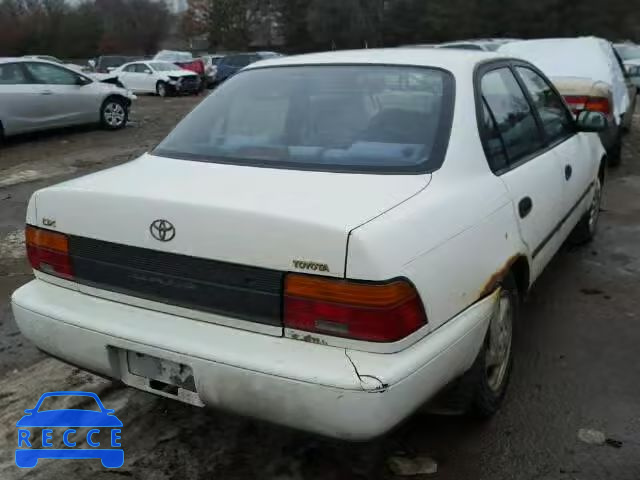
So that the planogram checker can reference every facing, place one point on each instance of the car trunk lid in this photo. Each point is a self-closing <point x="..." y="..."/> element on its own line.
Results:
<point x="232" y="231"/>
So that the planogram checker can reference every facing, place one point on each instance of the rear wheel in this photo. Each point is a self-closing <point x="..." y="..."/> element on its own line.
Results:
<point x="114" y="113"/>
<point x="585" y="230"/>
<point x="481" y="390"/>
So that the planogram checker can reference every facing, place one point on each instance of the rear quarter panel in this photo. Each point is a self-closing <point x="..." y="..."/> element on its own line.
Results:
<point x="450" y="242"/>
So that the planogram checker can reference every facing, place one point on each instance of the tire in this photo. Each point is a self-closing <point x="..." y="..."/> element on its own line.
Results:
<point x="162" y="90"/>
<point x="114" y="113"/>
<point x="586" y="229"/>
<point x="480" y="391"/>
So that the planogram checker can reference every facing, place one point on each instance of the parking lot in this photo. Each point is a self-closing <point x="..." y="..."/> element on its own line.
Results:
<point x="576" y="360"/>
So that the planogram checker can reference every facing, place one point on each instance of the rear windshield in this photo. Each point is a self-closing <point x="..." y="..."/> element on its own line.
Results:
<point x="333" y="118"/>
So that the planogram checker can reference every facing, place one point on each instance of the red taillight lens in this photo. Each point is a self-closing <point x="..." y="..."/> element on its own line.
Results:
<point x="589" y="104"/>
<point x="373" y="312"/>
<point x="48" y="252"/>
<point x="598" y="104"/>
<point x="576" y="103"/>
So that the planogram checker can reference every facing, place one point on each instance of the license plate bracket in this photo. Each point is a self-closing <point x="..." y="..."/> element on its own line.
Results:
<point x="160" y="376"/>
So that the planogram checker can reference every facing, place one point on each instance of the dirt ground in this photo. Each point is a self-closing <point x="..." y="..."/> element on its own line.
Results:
<point x="576" y="360"/>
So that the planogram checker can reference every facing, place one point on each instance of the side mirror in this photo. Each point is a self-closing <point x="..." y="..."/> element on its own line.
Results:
<point x="148" y="72"/>
<point x="592" y="122"/>
<point x="92" y="63"/>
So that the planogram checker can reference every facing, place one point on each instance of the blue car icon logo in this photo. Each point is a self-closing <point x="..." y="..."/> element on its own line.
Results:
<point x="63" y="429"/>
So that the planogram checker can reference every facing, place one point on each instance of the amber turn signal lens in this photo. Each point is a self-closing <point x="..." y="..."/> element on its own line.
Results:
<point x="48" y="252"/>
<point x="37" y="237"/>
<point x="370" y="295"/>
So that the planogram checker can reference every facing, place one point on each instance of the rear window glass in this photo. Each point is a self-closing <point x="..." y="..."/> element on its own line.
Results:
<point x="332" y="118"/>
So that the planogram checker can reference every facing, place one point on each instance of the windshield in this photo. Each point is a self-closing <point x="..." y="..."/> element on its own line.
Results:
<point x="164" y="67"/>
<point x="336" y="118"/>
<point x="628" y="52"/>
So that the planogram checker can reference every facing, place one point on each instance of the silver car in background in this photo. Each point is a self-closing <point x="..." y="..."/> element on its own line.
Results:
<point x="40" y="95"/>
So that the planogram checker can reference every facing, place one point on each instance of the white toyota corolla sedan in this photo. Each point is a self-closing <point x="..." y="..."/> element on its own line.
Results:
<point x="326" y="242"/>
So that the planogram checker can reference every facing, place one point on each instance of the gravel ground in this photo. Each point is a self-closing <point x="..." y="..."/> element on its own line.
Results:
<point x="576" y="366"/>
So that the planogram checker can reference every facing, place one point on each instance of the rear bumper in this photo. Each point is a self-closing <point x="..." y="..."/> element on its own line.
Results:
<point x="331" y="391"/>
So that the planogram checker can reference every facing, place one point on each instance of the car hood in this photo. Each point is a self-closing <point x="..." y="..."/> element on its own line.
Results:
<point x="69" y="418"/>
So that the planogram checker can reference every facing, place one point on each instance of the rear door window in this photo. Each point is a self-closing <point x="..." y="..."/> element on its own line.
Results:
<point x="494" y="146"/>
<point x="12" y="74"/>
<point x="338" y="118"/>
<point x="556" y="119"/>
<point x="512" y="114"/>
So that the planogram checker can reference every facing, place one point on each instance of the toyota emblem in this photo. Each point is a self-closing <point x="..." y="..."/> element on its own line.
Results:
<point x="163" y="230"/>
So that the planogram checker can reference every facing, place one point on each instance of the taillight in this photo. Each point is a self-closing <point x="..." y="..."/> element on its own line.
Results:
<point x="598" y="104"/>
<point x="48" y="252"/>
<point x="576" y="103"/>
<point x="376" y="312"/>
<point x="579" y="103"/>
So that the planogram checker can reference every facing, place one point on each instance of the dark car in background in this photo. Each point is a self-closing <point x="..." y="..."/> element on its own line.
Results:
<point x="230" y="64"/>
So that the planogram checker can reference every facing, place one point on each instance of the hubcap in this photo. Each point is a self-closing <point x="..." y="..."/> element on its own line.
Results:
<point x="594" y="211"/>
<point x="161" y="90"/>
<point x="499" y="348"/>
<point x="114" y="114"/>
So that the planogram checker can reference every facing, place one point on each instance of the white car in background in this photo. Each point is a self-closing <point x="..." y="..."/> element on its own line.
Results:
<point x="39" y="95"/>
<point x="161" y="78"/>
<point x="590" y="76"/>
<point x="629" y="52"/>
<point x="326" y="242"/>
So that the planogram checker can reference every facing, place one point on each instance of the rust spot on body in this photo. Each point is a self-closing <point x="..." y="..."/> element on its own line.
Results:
<point x="495" y="279"/>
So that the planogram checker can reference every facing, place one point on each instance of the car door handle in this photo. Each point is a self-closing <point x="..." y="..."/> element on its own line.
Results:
<point x="525" y="206"/>
<point x="46" y="92"/>
<point x="568" y="171"/>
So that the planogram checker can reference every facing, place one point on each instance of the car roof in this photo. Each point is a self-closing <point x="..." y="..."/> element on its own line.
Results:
<point x="25" y="60"/>
<point x="438" y="58"/>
